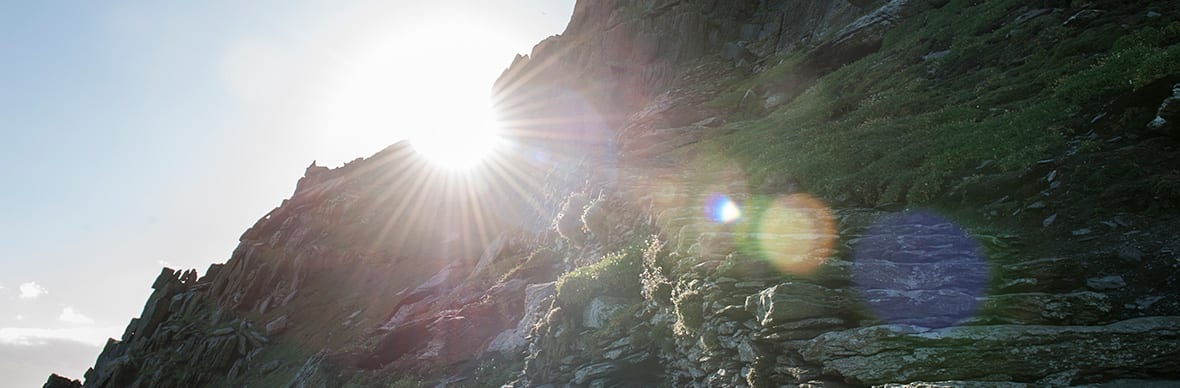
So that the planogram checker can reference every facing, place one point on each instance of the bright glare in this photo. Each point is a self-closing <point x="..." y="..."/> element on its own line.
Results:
<point x="460" y="141"/>
<point x="389" y="85"/>
<point x="722" y="209"/>
<point x="730" y="212"/>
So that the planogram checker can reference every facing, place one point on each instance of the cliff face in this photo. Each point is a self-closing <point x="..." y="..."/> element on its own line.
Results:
<point x="615" y="54"/>
<point x="708" y="193"/>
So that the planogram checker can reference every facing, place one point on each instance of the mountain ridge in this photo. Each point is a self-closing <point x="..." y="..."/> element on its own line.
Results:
<point x="912" y="189"/>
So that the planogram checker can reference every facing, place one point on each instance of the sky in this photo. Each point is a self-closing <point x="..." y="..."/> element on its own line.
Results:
<point x="138" y="134"/>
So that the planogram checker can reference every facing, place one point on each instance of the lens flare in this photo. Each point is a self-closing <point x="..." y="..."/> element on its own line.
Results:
<point x="921" y="269"/>
<point x="796" y="233"/>
<point x="720" y="208"/>
<point x="464" y="141"/>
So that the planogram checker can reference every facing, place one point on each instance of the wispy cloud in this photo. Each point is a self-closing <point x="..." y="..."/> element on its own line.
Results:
<point x="31" y="290"/>
<point x="69" y="315"/>
<point x="31" y="336"/>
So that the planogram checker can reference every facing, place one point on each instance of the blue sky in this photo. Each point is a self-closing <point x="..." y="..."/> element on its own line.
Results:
<point x="138" y="134"/>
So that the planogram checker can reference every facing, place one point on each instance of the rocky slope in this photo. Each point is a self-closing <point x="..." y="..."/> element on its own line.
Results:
<point x="705" y="193"/>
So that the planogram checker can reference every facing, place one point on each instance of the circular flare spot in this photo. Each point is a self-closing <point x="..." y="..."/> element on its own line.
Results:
<point x="920" y="269"/>
<point x="797" y="233"/>
<point x="722" y="209"/>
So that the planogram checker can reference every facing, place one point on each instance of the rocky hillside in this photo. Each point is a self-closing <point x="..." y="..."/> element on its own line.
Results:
<point x="918" y="193"/>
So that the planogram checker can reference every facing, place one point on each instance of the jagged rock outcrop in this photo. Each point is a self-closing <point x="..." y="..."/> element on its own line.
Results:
<point x="56" y="381"/>
<point x="179" y="339"/>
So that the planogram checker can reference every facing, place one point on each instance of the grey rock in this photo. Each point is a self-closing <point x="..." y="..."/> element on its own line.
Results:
<point x="861" y="37"/>
<point x="774" y="100"/>
<point x="221" y="332"/>
<point x="1104" y="283"/>
<point x="277" y="326"/>
<point x="957" y="384"/>
<point x="930" y="308"/>
<point x="489" y="254"/>
<point x="1077" y="308"/>
<point x="1130" y="253"/>
<point x="734" y="312"/>
<point x="1031" y="14"/>
<point x="1049" y="220"/>
<point x="599" y="311"/>
<point x="883" y="354"/>
<point x="269" y="367"/>
<point x="918" y="276"/>
<point x="310" y="375"/>
<point x="1083" y="17"/>
<point x="1133" y="383"/>
<point x="236" y="370"/>
<point x="935" y="55"/>
<point x="749" y="285"/>
<point x="591" y="372"/>
<point x="1168" y="114"/>
<point x="793" y="301"/>
<point x="537" y="297"/>
<point x="1145" y="302"/>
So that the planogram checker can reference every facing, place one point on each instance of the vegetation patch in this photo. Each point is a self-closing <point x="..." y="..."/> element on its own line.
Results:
<point x="966" y="85"/>
<point x="617" y="274"/>
<point x="656" y="287"/>
<point x="689" y="308"/>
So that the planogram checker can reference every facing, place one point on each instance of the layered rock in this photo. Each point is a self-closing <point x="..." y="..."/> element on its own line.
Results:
<point x="1001" y="352"/>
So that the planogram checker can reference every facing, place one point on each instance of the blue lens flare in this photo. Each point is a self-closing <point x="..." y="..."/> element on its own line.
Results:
<point x="919" y="268"/>
<point x="721" y="209"/>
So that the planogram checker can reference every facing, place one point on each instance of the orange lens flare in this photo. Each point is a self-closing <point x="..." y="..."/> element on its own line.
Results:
<point x="797" y="233"/>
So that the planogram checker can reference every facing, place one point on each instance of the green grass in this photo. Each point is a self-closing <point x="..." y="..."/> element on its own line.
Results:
<point x="1138" y="58"/>
<point x="617" y="274"/>
<point x="892" y="127"/>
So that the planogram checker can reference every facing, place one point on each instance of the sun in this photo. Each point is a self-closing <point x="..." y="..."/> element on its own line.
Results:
<point x="461" y="138"/>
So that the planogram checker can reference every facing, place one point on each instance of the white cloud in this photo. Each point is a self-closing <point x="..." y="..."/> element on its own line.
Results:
<point x="69" y="315"/>
<point x="31" y="290"/>
<point x="31" y="336"/>
<point x="20" y="317"/>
